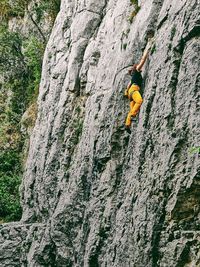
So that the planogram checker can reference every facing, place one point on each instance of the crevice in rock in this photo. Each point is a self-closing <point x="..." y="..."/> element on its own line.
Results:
<point x="178" y="53"/>
<point x="90" y="11"/>
<point x="92" y="34"/>
<point x="159" y="226"/>
<point x="147" y="142"/>
<point x="94" y="257"/>
<point x="195" y="32"/>
<point x="162" y="21"/>
<point x="155" y="10"/>
<point x="148" y="109"/>
<point x="184" y="258"/>
<point x="187" y="208"/>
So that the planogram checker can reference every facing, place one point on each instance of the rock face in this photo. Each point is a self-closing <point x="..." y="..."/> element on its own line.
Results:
<point x="92" y="195"/>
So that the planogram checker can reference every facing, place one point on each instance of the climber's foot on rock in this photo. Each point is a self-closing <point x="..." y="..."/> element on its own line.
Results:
<point x="128" y="129"/>
<point x="133" y="119"/>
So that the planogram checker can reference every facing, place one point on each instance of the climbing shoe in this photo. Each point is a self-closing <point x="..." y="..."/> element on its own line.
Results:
<point x="126" y="93"/>
<point x="133" y="119"/>
<point x="127" y="128"/>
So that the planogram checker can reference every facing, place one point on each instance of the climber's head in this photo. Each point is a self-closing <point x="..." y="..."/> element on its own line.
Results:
<point x="132" y="69"/>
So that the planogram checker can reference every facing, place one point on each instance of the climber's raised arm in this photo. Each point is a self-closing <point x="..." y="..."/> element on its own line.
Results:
<point x="129" y="85"/>
<point x="142" y="61"/>
<point x="145" y="54"/>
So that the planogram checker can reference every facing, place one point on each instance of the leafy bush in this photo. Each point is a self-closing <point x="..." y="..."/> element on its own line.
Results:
<point x="11" y="57"/>
<point x="134" y="2"/>
<point x="135" y="11"/>
<point x="50" y="7"/>
<point x="20" y="63"/>
<point x="12" y="8"/>
<point x="10" y="162"/>
<point x="20" y="70"/>
<point x="10" y="179"/>
<point x="10" y="209"/>
<point x="17" y="8"/>
<point x="5" y="9"/>
<point x="33" y="53"/>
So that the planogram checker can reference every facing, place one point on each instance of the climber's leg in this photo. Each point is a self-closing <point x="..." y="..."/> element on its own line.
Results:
<point x="136" y="96"/>
<point x="126" y="93"/>
<point x="128" y="119"/>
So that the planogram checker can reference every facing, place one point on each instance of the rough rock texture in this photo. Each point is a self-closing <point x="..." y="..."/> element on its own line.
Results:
<point x="91" y="194"/>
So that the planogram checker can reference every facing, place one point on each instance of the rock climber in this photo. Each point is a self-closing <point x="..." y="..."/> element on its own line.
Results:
<point x="133" y="88"/>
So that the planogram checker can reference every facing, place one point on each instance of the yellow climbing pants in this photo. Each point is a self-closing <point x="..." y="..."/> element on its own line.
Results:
<point x="135" y="102"/>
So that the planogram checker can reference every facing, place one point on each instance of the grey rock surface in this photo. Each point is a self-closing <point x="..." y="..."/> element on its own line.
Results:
<point x="92" y="195"/>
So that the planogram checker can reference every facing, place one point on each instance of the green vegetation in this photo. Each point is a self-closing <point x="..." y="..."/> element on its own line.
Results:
<point x="17" y="8"/>
<point x="135" y="11"/>
<point x="134" y="2"/>
<point x="10" y="161"/>
<point x="50" y="7"/>
<point x="12" y="8"/>
<point x="195" y="150"/>
<point x="20" y="73"/>
<point x="125" y="46"/>
<point x="33" y="53"/>
<point x="10" y="178"/>
<point x="153" y="49"/>
<point x="169" y="46"/>
<point x="78" y="127"/>
<point x="173" y="32"/>
<point x="20" y="64"/>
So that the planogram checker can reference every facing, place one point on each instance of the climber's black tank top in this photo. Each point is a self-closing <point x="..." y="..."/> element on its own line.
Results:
<point x="136" y="78"/>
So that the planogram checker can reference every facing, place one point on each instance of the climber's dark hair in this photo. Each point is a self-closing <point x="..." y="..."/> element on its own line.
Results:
<point x="133" y="68"/>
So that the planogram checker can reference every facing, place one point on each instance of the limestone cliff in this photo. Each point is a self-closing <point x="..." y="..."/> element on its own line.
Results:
<point x="92" y="195"/>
